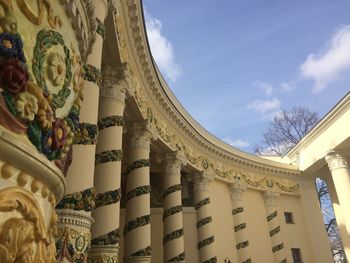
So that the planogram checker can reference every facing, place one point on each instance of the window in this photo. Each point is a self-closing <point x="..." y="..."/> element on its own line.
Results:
<point x="289" y="217"/>
<point x="296" y="255"/>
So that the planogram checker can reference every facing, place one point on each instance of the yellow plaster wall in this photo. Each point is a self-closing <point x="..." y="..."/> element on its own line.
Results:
<point x="257" y="228"/>
<point x="222" y="221"/>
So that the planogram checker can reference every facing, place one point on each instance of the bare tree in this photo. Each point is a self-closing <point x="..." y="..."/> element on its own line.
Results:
<point x="330" y="221"/>
<point x="285" y="130"/>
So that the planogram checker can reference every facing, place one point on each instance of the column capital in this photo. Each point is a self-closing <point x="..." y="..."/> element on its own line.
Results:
<point x="173" y="160"/>
<point x="270" y="198"/>
<point x="141" y="134"/>
<point x="201" y="181"/>
<point x="335" y="160"/>
<point x="117" y="83"/>
<point x="236" y="190"/>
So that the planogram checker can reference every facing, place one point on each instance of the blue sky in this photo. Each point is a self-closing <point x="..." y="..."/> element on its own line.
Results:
<point x="234" y="64"/>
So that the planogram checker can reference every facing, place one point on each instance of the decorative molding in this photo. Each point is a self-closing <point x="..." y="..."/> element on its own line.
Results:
<point x="171" y="211"/>
<point x="335" y="161"/>
<point x="202" y="203"/>
<point x="108" y="198"/>
<point x="173" y="235"/>
<point x="137" y="164"/>
<point x="86" y="134"/>
<point x="111" y="238"/>
<point x="171" y="189"/>
<point x="108" y="156"/>
<point x="205" y="242"/>
<point x="140" y="190"/>
<point x="110" y="121"/>
<point x="204" y="221"/>
<point x="137" y="222"/>
<point x="178" y="258"/>
<point x="242" y="245"/>
<point x="92" y="74"/>
<point x="83" y="200"/>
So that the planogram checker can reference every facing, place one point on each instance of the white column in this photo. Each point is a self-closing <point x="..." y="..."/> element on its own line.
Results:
<point x="137" y="230"/>
<point x="239" y="221"/>
<point x="173" y="240"/>
<point x="274" y="227"/>
<point x="341" y="178"/>
<point x="204" y="219"/>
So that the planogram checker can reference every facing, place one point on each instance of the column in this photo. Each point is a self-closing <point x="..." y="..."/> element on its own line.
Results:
<point x="137" y="230"/>
<point x="173" y="241"/>
<point x="79" y="201"/>
<point x="204" y="228"/>
<point x="105" y="231"/>
<point x="274" y="227"/>
<point x="341" y="178"/>
<point x="239" y="221"/>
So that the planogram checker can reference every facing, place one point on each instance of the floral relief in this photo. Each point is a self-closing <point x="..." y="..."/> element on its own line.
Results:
<point x="26" y="106"/>
<point x="13" y="76"/>
<point x="56" y="69"/>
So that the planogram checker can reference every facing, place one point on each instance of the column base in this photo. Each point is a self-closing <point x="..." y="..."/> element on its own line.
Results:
<point x="104" y="254"/>
<point x="145" y="259"/>
<point x="74" y="237"/>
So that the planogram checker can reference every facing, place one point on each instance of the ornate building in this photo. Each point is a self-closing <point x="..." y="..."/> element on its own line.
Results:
<point x="99" y="162"/>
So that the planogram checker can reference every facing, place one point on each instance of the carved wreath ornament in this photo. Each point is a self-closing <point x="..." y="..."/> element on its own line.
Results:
<point x="44" y="106"/>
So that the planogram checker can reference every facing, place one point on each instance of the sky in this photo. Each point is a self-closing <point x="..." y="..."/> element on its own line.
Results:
<point x="234" y="64"/>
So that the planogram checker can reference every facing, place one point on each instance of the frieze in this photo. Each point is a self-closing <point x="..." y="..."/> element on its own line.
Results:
<point x="173" y="235"/>
<point x="205" y="242"/>
<point x="141" y="190"/>
<point x="178" y="258"/>
<point x="211" y="260"/>
<point x="110" y="238"/>
<point x="107" y="198"/>
<point x="84" y="200"/>
<point x="139" y="221"/>
<point x="171" y="211"/>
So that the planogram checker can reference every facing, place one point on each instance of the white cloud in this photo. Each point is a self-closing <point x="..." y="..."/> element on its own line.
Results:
<point x="286" y="87"/>
<point x="327" y="66"/>
<point x="265" y="87"/>
<point x="162" y="49"/>
<point x="267" y="107"/>
<point x="239" y="143"/>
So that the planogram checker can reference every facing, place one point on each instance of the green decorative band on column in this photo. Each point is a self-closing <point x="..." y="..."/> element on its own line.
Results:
<point x="237" y="210"/>
<point x="84" y="200"/>
<point x="109" y="156"/>
<point x="101" y="29"/>
<point x="202" y="203"/>
<point x="171" y="189"/>
<point x="171" y="211"/>
<point x="180" y="257"/>
<point x="92" y="74"/>
<point x="145" y="252"/>
<point x="240" y="227"/>
<point x="275" y="231"/>
<point x="249" y="260"/>
<point x="242" y="245"/>
<point x="205" y="242"/>
<point x="137" y="164"/>
<point x="86" y="133"/>
<point x="204" y="221"/>
<point x="108" y="198"/>
<point x="211" y="260"/>
<point x="277" y="248"/>
<point x="110" y="238"/>
<point x="173" y="235"/>
<point x="141" y="190"/>
<point x="284" y="261"/>
<point x="271" y="216"/>
<point x="139" y="221"/>
<point x="110" y="121"/>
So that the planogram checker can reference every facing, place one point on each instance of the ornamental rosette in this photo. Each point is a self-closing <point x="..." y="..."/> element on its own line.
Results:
<point x="26" y="106"/>
<point x="13" y="76"/>
<point x="59" y="134"/>
<point x="11" y="46"/>
<point x="45" y="115"/>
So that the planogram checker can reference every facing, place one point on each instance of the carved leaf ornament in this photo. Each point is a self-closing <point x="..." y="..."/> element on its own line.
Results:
<point x="46" y="106"/>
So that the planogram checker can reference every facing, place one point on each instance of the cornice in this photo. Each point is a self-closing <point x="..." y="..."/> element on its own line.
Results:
<point x="203" y="150"/>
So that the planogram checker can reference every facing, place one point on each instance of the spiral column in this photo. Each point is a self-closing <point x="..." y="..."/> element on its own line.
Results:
<point x="105" y="230"/>
<point x="204" y="219"/>
<point x="77" y="204"/>
<point x="240" y="225"/>
<point x="173" y="240"/>
<point x="137" y="230"/>
<point x="274" y="227"/>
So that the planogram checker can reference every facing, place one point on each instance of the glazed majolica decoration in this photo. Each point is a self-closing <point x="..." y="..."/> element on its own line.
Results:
<point x="41" y="102"/>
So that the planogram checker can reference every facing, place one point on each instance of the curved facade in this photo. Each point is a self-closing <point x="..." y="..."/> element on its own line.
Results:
<point x="99" y="158"/>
